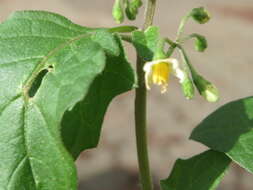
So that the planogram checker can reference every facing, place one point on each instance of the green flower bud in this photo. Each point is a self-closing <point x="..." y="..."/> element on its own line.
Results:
<point x="206" y="89"/>
<point x="200" y="43"/>
<point x="132" y="8"/>
<point x="200" y="15"/>
<point x="188" y="88"/>
<point x="136" y="3"/>
<point x="118" y="12"/>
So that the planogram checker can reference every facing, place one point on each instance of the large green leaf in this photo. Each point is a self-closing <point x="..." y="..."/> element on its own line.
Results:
<point x="47" y="65"/>
<point x="201" y="172"/>
<point x="82" y="125"/>
<point x="229" y="130"/>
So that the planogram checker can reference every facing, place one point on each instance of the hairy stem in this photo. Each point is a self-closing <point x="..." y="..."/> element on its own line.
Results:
<point x="181" y="26"/>
<point x="140" y="110"/>
<point x="149" y="14"/>
<point x="187" y="61"/>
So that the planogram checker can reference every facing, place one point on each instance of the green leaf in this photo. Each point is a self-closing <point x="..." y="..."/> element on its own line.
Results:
<point x="82" y="125"/>
<point x="229" y="130"/>
<point x="201" y="172"/>
<point x="47" y="65"/>
<point x="146" y="42"/>
<point x="107" y="41"/>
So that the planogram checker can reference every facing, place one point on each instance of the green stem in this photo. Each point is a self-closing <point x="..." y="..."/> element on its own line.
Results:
<point x="171" y="50"/>
<point x="172" y="44"/>
<point x="141" y="129"/>
<point x="187" y="61"/>
<point x="140" y="110"/>
<point x="189" y="37"/>
<point x="126" y="38"/>
<point x="169" y="41"/>
<point x="181" y="26"/>
<point x="149" y="14"/>
<point x="184" y="39"/>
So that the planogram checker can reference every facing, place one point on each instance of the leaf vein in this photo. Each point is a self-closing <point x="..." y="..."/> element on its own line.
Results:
<point x="9" y="103"/>
<point x="26" y="145"/>
<point x="28" y="82"/>
<point x="16" y="170"/>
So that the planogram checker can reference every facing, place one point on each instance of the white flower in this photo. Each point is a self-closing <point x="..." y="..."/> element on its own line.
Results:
<point x="158" y="72"/>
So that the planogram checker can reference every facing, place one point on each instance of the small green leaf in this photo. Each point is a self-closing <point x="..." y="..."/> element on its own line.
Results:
<point x="146" y="42"/>
<point x="82" y="125"/>
<point x="229" y="130"/>
<point x="201" y="172"/>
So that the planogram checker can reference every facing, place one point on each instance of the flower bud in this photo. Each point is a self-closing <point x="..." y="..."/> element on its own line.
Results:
<point x="206" y="88"/>
<point x="118" y="12"/>
<point x="188" y="88"/>
<point x="200" y="43"/>
<point x="132" y="8"/>
<point x="200" y="15"/>
<point x="136" y="3"/>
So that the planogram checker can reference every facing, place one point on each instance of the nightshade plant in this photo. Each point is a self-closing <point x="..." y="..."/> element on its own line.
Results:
<point x="57" y="79"/>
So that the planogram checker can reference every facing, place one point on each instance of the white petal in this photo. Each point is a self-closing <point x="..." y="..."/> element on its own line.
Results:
<point x="147" y="80"/>
<point x="176" y="70"/>
<point x="148" y="66"/>
<point x="148" y="73"/>
<point x="174" y="63"/>
<point x="179" y="73"/>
